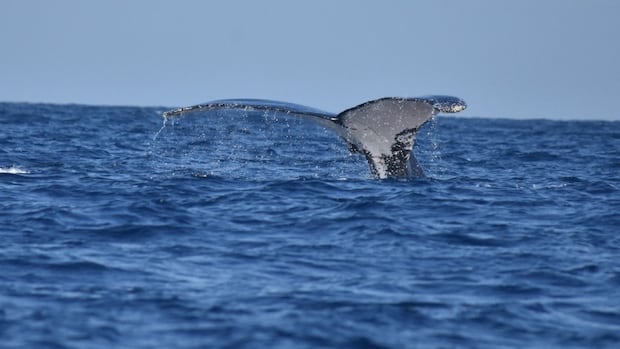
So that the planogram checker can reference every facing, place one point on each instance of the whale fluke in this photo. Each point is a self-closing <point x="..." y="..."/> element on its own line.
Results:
<point x="383" y="129"/>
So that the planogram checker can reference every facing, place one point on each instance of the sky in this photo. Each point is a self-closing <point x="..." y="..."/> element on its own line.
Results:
<point x="553" y="59"/>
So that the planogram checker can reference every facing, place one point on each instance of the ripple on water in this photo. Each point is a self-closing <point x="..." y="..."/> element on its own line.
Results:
<point x="112" y="237"/>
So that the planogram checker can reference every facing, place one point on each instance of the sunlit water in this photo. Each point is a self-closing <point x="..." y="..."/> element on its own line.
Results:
<point x="258" y="230"/>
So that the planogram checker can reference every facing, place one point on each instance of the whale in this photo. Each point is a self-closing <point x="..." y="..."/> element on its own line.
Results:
<point x="383" y="129"/>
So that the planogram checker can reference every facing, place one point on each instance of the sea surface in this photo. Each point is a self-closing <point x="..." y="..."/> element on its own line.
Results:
<point x="258" y="230"/>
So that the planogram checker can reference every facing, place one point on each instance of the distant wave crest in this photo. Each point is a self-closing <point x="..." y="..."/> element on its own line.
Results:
<point x="13" y="170"/>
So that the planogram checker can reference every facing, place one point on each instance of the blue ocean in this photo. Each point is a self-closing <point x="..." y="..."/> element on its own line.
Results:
<point x="254" y="229"/>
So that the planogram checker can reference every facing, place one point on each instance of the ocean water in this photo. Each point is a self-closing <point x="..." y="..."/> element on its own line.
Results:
<point x="258" y="230"/>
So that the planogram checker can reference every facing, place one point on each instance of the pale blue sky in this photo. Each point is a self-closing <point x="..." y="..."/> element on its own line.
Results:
<point x="527" y="58"/>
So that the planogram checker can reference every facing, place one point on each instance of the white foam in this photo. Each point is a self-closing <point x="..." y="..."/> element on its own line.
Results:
<point x="13" y="170"/>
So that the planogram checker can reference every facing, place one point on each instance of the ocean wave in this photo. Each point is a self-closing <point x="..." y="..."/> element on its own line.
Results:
<point x="258" y="235"/>
<point x="14" y="170"/>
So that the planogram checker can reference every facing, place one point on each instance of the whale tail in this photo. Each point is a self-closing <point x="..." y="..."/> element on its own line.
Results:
<point x="383" y="129"/>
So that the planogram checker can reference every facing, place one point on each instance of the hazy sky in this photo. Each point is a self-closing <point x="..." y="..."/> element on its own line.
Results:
<point x="526" y="58"/>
